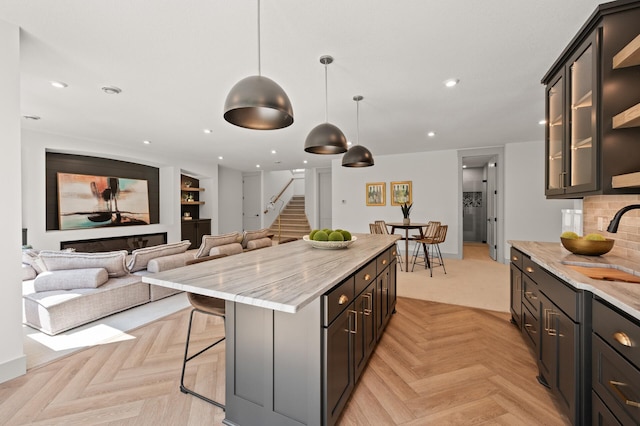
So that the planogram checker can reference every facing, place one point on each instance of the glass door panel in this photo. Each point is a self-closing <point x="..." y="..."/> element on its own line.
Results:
<point x="582" y="130"/>
<point x="555" y="122"/>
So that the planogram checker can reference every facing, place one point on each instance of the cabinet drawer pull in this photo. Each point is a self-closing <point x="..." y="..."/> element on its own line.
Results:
<point x="530" y="295"/>
<point x="394" y="253"/>
<point x="614" y="385"/>
<point x="514" y="258"/>
<point x="623" y="339"/>
<point x="343" y="299"/>
<point x="531" y="329"/>
<point x="529" y="269"/>
<point x="384" y="261"/>
<point x="367" y="277"/>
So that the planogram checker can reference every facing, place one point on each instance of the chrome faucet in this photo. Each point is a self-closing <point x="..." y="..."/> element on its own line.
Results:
<point x="613" y="225"/>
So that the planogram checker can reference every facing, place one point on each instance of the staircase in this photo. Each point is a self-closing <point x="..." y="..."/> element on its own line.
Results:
<point x="293" y="220"/>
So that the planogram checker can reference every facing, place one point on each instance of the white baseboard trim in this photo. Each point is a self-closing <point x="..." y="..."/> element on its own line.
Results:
<point x="13" y="368"/>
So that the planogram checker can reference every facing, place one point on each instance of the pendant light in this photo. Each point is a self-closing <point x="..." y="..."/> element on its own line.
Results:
<point x="257" y="102"/>
<point x="326" y="138"/>
<point x="358" y="155"/>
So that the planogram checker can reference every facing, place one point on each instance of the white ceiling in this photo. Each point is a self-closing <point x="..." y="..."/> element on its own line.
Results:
<point x="175" y="62"/>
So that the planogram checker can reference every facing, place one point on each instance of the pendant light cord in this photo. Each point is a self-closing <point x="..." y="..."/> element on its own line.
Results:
<point x="357" y="122"/>
<point x="326" y="95"/>
<point x="259" y="64"/>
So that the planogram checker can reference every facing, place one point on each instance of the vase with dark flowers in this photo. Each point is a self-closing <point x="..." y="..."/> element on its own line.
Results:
<point x="406" y="210"/>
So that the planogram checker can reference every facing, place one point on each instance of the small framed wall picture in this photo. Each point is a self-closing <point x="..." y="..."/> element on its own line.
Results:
<point x="401" y="193"/>
<point x="375" y="194"/>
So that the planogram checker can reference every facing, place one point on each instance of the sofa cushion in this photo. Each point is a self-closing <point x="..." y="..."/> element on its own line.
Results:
<point x="28" y="272"/>
<point x="254" y="235"/>
<point x="141" y="257"/>
<point x="259" y="243"/>
<point x="70" y="279"/>
<point x="171" y="261"/>
<point x="228" y="249"/>
<point x="112" y="261"/>
<point x="210" y="241"/>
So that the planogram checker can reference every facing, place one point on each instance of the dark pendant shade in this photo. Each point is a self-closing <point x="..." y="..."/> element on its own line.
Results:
<point x="259" y="103"/>
<point x="326" y="138"/>
<point x="357" y="156"/>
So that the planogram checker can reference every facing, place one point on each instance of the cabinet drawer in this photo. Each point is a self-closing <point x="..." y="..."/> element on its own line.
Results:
<point x="385" y="259"/>
<point x="530" y="327"/>
<point x="530" y="268"/>
<point x="562" y="295"/>
<point x="530" y="295"/>
<point x="616" y="381"/>
<point x="600" y="413"/>
<point x="516" y="257"/>
<point x="335" y="301"/>
<point x="619" y="332"/>
<point x="366" y="276"/>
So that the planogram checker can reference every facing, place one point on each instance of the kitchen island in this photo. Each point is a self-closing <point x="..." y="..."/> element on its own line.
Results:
<point x="301" y="323"/>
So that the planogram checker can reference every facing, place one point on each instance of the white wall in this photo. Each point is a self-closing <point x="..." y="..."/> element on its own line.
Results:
<point x="434" y="177"/>
<point x="230" y="200"/>
<point x="13" y="362"/>
<point x="34" y="148"/>
<point x="528" y="214"/>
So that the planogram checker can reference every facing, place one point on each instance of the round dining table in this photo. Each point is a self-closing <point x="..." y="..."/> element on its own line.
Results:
<point x="407" y="227"/>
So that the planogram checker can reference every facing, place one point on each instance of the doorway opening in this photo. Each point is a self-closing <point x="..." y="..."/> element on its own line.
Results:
<point x="480" y="204"/>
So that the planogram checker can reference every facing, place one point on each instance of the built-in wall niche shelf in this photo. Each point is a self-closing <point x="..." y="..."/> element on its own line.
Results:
<point x="629" y="180"/>
<point x="628" y="118"/>
<point x="629" y="56"/>
<point x="556" y="121"/>
<point x="190" y="188"/>
<point x="584" y="143"/>
<point x="192" y="203"/>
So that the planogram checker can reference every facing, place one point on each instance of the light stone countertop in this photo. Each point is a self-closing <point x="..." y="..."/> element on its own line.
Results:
<point x="625" y="296"/>
<point x="284" y="277"/>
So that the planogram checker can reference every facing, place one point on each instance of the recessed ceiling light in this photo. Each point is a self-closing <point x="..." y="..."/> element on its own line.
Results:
<point x="349" y="143"/>
<point x="431" y="134"/>
<point x="273" y="151"/>
<point x="31" y="117"/>
<point x="542" y="122"/>
<point x="111" y="90"/>
<point x="207" y="131"/>
<point x="220" y="157"/>
<point x="464" y="166"/>
<point x="305" y="161"/>
<point x="451" y="82"/>
<point x="59" y="84"/>
<point x="146" y="142"/>
<point x="258" y="166"/>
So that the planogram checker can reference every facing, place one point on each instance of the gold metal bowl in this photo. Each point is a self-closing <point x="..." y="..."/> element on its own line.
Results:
<point x="587" y="247"/>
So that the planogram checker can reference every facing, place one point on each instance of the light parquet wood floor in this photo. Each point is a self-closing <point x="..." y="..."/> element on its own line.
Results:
<point x="437" y="364"/>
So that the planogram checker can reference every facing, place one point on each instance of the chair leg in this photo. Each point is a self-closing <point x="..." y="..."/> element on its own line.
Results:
<point x="416" y="251"/>
<point x="187" y="358"/>
<point x="441" y="259"/>
<point x="399" y="257"/>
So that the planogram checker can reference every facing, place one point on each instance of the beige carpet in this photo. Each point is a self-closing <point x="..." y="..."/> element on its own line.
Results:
<point x="476" y="281"/>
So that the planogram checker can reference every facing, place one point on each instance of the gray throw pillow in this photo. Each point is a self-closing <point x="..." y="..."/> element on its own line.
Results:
<point x="70" y="279"/>
<point x="141" y="257"/>
<point x="112" y="261"/>
<point x="210" y="241"/>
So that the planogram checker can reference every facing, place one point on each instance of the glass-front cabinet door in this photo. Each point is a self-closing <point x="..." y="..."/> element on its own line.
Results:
<point x="582" y="132"/>
<point x="555" y="136"/>
<point x="572" y="135"/>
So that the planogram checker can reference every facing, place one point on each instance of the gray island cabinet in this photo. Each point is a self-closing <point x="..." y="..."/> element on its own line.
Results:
<point x="301" y="324"/>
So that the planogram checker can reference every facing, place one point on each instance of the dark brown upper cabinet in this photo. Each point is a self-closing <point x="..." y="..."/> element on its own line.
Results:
<point x="592" y="138"/>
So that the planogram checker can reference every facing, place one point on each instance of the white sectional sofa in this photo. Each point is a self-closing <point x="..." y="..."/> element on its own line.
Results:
<point x="65" y="289"/>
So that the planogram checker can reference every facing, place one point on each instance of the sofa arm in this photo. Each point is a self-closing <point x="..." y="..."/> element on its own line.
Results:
<point x="28" y="273"/>
<point x="171" y="261"/>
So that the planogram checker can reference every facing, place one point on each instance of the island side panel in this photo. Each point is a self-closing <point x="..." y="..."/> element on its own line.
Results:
<point x="273" y="366"/>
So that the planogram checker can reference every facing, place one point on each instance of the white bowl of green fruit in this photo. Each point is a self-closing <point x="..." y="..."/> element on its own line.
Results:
<point x="329" y="239"/>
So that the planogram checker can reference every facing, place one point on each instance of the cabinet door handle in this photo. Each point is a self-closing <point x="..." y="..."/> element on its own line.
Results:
<point x="384" y="261"/>
<point x="622" y="338"/>
<point x="343" y="299"/>
<point x="614" y="385"/>
<point x="367" y="277"/>
<point x="530" y="327"/>
<point x="530" y="295"/>
<point x="367" y="310"/>
<point x="355" y="319"/>
<point x="548" y="318"/>
<point x="529" y="269"/>
<point x="563" y="184"/>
